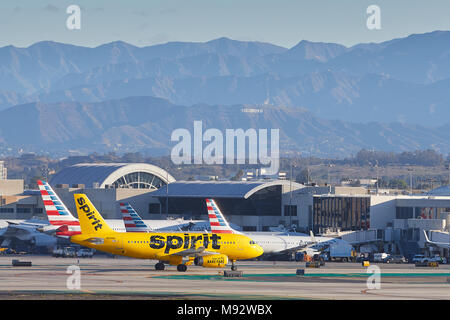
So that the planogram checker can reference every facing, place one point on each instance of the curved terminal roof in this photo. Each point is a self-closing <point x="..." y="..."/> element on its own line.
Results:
<point x="219" y="189"/>
<point x="441" y="191"/>
<point x="102" y="175"/>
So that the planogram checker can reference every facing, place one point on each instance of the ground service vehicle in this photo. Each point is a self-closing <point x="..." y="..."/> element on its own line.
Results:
<point x="394" y="259"/>
<point x="417" y="258"/>
<point x="363" y="257"/>
<point x="57" y="252"/>
<point x="379" y="257"/>
<point x="341" y="252"/>
<point x="84" y="253"/>
<point x="435" y="258"/>
<point x="66" y="252"/>
<point x="69" y="252"/>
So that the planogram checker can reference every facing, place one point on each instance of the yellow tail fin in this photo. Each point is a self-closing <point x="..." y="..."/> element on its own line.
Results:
<point x="91" y="222"/>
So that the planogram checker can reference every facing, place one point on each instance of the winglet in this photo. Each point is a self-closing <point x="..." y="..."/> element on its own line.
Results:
<point x="426" y="236"/>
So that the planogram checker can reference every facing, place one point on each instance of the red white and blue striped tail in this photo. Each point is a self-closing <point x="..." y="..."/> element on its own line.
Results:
<point x="217" y="221"/>
<point x="57" y="212"/>
<point x="132" y="221"/>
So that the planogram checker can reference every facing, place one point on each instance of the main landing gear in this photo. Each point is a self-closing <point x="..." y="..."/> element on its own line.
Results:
<point x="233" y="266"/>
<point x="181" y="267"/>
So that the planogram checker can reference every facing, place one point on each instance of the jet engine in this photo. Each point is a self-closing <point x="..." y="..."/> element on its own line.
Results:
<point x="212" y="261"/>
<point x="43" y="240"/>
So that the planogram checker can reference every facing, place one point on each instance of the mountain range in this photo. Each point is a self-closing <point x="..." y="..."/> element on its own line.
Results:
<point x="146" y="124"/>
<point x="392" y="95"/>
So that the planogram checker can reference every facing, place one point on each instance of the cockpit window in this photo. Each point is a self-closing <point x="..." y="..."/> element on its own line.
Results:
<point x="252" y="242"/>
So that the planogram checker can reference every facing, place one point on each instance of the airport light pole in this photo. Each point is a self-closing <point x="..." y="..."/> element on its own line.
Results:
<point x="431" y="182"/>
<point x="410" y="180"/>
<point x="376" y="167"/>
<point x="290" y="197"/>
<point x="44" y="171"/>
<point x="328" y="174"/>
<point x="447" y="166"/>
<point x="167" y="192"/>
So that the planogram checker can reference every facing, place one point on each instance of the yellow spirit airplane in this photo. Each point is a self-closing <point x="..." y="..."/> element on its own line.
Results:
<point x="203" y="249"/>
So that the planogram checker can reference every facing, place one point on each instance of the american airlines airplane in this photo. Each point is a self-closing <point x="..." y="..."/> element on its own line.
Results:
<point x="272" y="243"/>
<point x="62" y="223"/>
<point x="134" y="223"/>
<point x="25" y="230"/>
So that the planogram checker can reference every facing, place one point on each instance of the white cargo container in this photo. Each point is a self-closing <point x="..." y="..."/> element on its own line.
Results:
<point x="341" y="251"/>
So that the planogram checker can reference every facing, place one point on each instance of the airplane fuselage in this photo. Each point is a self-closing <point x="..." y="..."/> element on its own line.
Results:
<point x="158" y="245"/>
<point x="272" y="243"/>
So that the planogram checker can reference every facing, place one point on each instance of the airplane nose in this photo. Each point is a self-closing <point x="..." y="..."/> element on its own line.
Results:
<point x="259" y="250"/>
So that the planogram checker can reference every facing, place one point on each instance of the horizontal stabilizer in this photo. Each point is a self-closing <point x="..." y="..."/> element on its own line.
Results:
<point x="51" y="229"/>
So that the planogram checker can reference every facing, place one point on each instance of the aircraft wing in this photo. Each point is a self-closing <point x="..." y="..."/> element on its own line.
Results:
<point x="25" y="224"/>
<point x="50" y="229"/>
<point x="18" y="231"/>
<point x="193" y="252"/>
<point x="24" y="232"/>
<point x="303" y="245"/>
<point x="300" y="248"/>
<point x="297" y="248"/>
<point x="439" y="244"/>
<point x="314" y="242"/>
<point x="187" y="227"/>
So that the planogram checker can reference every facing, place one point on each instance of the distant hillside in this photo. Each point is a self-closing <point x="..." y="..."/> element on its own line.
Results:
<point x="38" y="67"/>
<point x="326" y="99"/>
<point x="404" y="80"/>
<point x="327" y="94"/>
<point x="146" y="123"/>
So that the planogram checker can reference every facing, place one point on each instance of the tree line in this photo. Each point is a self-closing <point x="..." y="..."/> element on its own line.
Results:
<point x="32" y="166"/>
<point x="418" y="158"/>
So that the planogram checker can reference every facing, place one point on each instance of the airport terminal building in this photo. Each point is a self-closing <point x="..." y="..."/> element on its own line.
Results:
<point x="108" y="184"/>
<point x="392" y="223"/>
<point x="254" y="205"/>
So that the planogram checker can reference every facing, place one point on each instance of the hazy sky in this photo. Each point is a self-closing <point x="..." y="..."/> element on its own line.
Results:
<point x="281" y="22"/>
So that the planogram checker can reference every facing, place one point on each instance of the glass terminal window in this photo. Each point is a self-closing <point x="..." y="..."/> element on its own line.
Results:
<point x="139" y="180"/>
